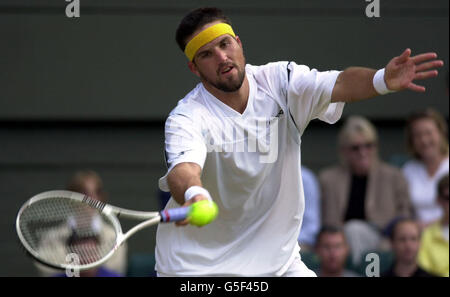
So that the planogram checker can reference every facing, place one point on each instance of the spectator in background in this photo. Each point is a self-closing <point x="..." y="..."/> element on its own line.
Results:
<point x="405" y="242"/>
<point x="89" y="183"/>
<point x="427" y="141"/>
<point x="362" y="194"/>
<point x="311" y="217"/>
<point x="332" y="250"/>
<point x="434" y="250"/>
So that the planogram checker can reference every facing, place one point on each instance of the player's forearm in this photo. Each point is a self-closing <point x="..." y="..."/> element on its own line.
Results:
<point x="182" y="177"/>
<point x="354" y="84"/>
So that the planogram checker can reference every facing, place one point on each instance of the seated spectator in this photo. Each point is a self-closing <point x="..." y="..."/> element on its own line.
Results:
<point x="311" y="216"/>
<point x="427" y="142"/>
<point x="405" y="242"/>
<point x="89" y="183"/>
<point x="332" y="250"/>
<point x="362" y="194"/>
<point x="434" y="249"/>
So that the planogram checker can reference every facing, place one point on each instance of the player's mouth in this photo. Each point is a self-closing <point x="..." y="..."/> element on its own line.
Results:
<point x="226" y="69"/>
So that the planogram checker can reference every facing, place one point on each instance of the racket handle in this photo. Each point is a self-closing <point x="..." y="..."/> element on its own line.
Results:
<point x="174" y="214"/>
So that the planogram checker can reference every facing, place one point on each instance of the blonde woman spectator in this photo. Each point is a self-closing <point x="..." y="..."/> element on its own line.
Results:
<point x="362" y="194"/>
<point x="427" y="142"/>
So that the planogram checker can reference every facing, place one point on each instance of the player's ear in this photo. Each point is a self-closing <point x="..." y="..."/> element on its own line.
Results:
<point x="238" y="40"/>
<point x="193" y="68"/>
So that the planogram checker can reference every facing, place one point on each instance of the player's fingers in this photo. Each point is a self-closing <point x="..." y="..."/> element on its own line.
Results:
<point x="199" y="198"/>
<point x="426" y="74"/>
<point x="187" y="204"/>
<point x="182" y="223"/>
<point x="404" y="56"/>
<point x="424" y="57"/>
<point x="428" y="65"/>
<point x="195" y="199"/>
<point x="416" y="88"/>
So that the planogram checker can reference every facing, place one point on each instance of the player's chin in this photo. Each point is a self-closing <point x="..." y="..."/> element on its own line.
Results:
<point x="230" y="85"/>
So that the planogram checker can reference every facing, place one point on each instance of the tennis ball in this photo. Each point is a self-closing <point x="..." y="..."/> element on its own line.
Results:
<point x="203" y="212"/>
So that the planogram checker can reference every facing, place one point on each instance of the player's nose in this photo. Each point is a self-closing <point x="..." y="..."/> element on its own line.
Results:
<point x="221" y="56"/>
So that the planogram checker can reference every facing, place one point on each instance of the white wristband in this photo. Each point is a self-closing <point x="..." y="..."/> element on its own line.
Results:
<point x="379" y="84"/>
<point x="194" y="191"/>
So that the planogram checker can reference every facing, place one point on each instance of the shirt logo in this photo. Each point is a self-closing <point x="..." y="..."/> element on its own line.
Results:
<point x="280" y="113"/>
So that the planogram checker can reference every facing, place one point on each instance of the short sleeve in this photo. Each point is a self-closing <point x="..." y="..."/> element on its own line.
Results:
<point x="183" y="143"/>
<point x="309" y="95"/>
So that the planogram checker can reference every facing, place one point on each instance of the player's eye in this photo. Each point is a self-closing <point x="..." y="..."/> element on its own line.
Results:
<point x="205" y="54"/>
<point x="224" y="43"/>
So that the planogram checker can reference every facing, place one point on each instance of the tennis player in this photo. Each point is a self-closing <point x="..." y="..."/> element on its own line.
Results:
<point x="235" y="139"/>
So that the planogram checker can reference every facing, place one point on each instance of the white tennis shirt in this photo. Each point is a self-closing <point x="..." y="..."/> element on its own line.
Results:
<point x="251" y="167"/>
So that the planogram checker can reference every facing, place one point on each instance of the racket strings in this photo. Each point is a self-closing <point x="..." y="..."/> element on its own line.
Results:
<point x="62" y="231"/>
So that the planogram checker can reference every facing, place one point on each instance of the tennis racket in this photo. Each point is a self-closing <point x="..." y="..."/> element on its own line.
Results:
<point x="69" y="230"/>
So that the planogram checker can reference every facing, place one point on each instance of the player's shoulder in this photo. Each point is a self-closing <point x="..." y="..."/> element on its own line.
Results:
<point x="271" y="68"/>
<point x="191" y="105"/>
<point x="272" y="77"/>
<point x="278" y="74"/>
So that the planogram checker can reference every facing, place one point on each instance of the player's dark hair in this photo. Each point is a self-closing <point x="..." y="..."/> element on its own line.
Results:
<point x="195" y="19"/>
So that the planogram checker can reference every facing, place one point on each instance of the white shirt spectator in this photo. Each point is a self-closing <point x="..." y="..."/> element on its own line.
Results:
<point x="423" y="189"/>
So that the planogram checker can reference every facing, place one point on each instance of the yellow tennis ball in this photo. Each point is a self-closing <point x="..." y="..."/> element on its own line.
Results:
<point x="203" y="212"/>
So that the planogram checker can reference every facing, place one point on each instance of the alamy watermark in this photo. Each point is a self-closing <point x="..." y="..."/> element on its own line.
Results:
<point x="373" y="266"/>
<point x="373" y="8"/>
<point x="256" y="135"/>
<point x="73" y="8"/>
<point x="73" y="261"/>
<point x="230" y="135"/>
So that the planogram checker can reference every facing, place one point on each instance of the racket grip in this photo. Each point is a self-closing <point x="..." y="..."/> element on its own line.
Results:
<point x="174" y="214"/>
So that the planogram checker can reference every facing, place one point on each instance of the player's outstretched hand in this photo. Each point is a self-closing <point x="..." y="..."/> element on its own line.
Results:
<point x="401" y="71"/>
<point x="188" y="203"/>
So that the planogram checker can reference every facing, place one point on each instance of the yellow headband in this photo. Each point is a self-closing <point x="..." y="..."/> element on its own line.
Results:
<point x="206" y="36"/>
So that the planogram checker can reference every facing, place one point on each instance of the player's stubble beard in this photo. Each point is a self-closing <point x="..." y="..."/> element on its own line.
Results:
<point x="231" y="84"/>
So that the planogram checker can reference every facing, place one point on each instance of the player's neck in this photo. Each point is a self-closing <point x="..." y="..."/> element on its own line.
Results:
<point x="236" y="100"/>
